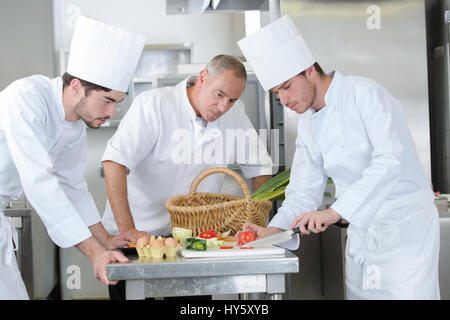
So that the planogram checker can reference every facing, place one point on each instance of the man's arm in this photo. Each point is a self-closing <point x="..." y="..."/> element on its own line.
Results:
<point x="259" y="181"/>
<point x="116" y="189"/>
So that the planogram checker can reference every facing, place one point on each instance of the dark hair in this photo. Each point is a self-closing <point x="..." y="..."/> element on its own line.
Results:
<point x="88" y="86"/>
<point x="318" y="69"/>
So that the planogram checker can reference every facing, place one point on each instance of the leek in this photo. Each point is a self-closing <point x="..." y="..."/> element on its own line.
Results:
<point x="274" y="189"/>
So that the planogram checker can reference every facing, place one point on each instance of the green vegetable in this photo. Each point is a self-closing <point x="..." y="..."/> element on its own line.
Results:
<point x="274" y="189"/>
<point x="196" y="244"/>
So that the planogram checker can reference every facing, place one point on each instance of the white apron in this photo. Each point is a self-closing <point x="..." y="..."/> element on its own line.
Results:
<point x="397" y="255"/>
<point x="11" y="283"/>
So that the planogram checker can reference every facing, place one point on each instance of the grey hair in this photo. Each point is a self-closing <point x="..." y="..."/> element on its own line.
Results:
<point x="222" y="63"/>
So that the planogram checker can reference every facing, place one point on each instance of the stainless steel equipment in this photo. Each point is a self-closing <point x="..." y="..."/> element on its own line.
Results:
<point x="385" y="41"/>
<point x="36" y="256"/>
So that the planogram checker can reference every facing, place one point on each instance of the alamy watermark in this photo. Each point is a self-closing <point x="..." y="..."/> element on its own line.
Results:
<point x="233" y="146"/>
<point x="373" y="22"/>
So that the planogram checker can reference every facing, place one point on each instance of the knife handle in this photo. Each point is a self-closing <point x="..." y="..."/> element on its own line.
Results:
<point x="297" y="229"/>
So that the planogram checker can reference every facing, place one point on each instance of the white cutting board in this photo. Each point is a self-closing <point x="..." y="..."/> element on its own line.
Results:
<point x="235" y="252"/>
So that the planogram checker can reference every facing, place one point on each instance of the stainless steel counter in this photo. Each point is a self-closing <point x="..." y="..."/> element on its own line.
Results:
<point x="178" y="276"/>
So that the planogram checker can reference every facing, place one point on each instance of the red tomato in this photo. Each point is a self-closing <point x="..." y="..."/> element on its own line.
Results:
<point x="226" y="247"/>
<point x="208" y="234"/>
<point x="245" y="237"/>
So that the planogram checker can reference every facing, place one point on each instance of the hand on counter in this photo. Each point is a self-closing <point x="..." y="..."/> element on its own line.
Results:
<point x="120" y="240"/>
<point x="316" y="221"/>
<point x="102" y="260"/>
<point x="132" y="235"/>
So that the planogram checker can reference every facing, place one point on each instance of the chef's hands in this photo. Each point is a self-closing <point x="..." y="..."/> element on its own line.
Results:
<point x="120" y="240"/>
<point x="316" y="221"/>
<point x="133" y="235"/>
<point x="102" y="260"/>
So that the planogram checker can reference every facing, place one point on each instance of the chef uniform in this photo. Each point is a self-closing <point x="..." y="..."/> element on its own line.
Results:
<point x="361" y="140"/>
<point x="164" y="146"/>
<point x="43" y="155"/>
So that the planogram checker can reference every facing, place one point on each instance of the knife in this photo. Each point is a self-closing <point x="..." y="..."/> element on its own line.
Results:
<point x="272" y="239"/>
<point x="275" y="238"/>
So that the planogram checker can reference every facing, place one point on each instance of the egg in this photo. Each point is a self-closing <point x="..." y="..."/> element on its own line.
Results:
<point x="142" y="242"/>
<point x="156" y="244"/>
<point x="170" y="242"/>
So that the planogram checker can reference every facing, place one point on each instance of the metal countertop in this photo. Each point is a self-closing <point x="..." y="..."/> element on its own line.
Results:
<point x="139" y="268"/>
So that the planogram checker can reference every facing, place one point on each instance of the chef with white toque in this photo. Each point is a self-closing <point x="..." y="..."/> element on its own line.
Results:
<point x="43" y="146"/>
<point x="352" y="130"/>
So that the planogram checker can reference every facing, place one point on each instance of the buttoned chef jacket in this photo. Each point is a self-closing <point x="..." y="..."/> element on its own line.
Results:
<point x="44" y="156"/>
<point x="164" y="146"/>
<point x="361" y="140"/>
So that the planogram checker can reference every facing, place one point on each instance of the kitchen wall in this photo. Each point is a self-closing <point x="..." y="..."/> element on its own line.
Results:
<point x="29" y="51"/>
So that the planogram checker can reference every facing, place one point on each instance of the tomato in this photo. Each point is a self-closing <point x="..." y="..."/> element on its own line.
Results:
<point x="245" y="237"/>
<point x="208" y="234"/>
<point x="226" y="247"/>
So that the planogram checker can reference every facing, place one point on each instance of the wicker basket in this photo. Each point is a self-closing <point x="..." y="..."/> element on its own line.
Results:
<point x="220" y="212"/>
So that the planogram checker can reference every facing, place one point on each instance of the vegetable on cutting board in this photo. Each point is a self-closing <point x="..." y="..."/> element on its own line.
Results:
<point x="196" y="244"/>
<point x="181" y="233"/>
<point x="246" y="236"/>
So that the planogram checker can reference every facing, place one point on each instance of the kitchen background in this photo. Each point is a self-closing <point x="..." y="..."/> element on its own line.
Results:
<point x="403" y="44"/>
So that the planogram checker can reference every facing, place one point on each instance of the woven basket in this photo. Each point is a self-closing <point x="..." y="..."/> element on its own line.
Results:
<point x="220" y="212"/>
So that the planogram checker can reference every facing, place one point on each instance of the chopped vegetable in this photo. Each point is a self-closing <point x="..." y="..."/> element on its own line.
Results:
<point x="226" y="247"/>
<point x="180" y="233"/>
<point x="246" y="247"/>
<point x="246" y="236"/>
<point x="196" y="244"/>
<point x="213" y="242"/>
<point x="208" y="234"/>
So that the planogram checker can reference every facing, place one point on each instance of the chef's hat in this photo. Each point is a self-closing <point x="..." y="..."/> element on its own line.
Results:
<point x="104" y="55"/>
<point x="276" y="52"/>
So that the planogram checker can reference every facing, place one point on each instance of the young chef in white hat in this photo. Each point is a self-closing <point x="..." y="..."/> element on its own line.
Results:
<point x="352" y="130"/>
<point x="143" y="168"/>
<point x="43" y="145"/>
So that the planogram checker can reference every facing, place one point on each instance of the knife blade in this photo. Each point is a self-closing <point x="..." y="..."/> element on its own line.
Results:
<point x="272" y="239"/>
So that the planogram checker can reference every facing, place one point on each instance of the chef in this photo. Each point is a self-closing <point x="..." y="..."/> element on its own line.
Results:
<point x="353" y="130"/>
<point x="164" y="141"/>
<point x="43" y="146"/>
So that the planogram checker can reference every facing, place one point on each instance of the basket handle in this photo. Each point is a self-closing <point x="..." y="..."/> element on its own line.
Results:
<point x="227" y="171"/>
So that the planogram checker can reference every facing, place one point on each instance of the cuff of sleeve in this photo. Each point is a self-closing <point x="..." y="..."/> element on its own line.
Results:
<point x="281" y="220"/>
<point x="70" y="232"/>
<point x="113" y="155"/>
<point x="349" y="208"/>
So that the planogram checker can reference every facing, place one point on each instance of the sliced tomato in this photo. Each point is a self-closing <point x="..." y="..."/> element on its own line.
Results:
<point x="226" y="247"/>
<point x="208" y="234"/>
<point x="246" y="247"/>
<point x="246" y="236"/>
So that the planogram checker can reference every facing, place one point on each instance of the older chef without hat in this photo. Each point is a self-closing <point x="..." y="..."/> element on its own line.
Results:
<point x="352" y="130"/>
<point x="43" y="145"/>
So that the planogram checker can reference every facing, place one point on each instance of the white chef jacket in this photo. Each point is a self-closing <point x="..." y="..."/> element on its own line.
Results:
<point x="361" y="140"/>
<point x="148" y="142"/>
<point x="44" y="156"/>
